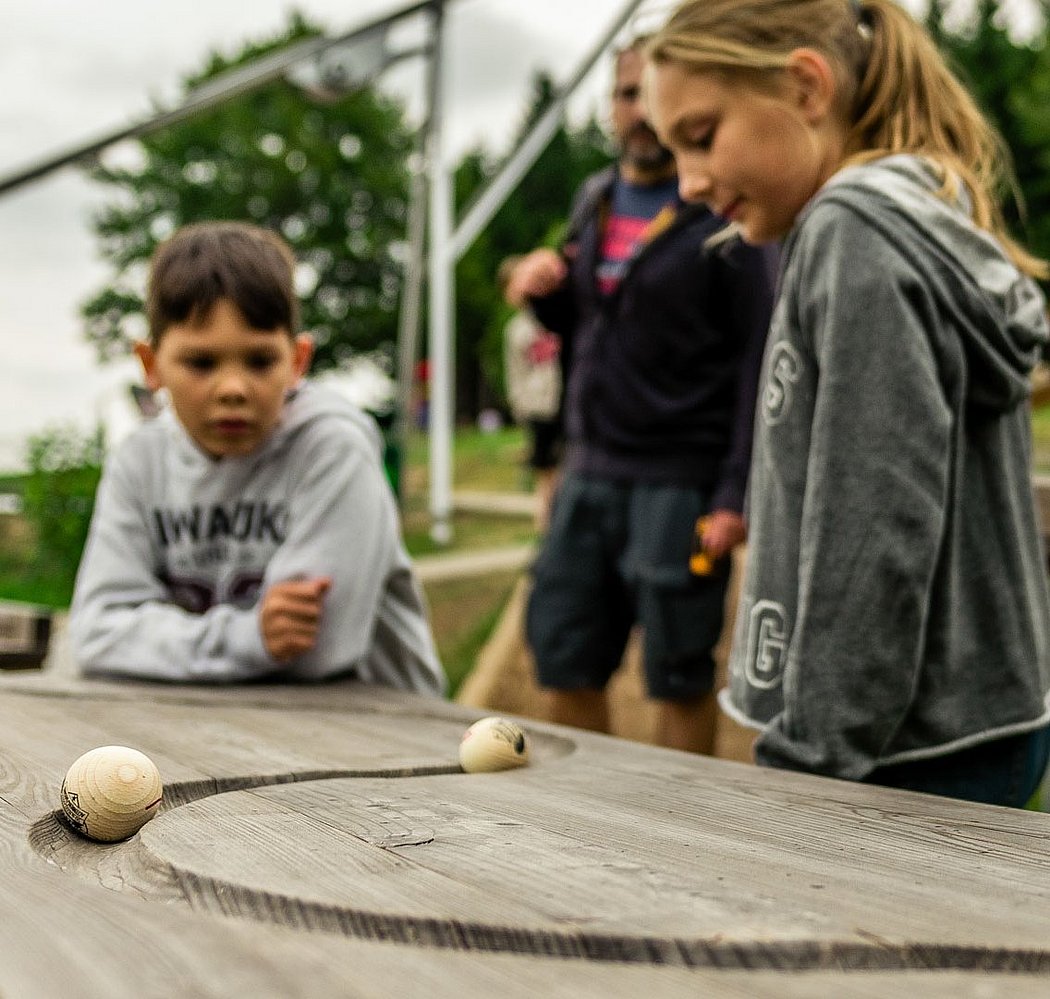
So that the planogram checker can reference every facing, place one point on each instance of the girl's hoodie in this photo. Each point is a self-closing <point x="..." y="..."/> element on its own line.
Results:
<point x="895" y="603"/>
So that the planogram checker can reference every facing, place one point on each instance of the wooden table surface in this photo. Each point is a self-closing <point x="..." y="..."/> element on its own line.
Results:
<point x="322" y="841"/>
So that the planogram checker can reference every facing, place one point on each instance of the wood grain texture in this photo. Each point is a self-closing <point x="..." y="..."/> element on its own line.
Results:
<point x="322" y="841"/>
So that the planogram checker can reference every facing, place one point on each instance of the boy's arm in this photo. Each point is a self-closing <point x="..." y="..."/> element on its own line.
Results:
<point x="122" y="620"/>
<point x="290" y="616"/>
<point x="345" y="529"/>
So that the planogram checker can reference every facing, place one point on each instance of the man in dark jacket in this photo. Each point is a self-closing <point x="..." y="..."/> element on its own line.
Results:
<point x="663" y="321"/>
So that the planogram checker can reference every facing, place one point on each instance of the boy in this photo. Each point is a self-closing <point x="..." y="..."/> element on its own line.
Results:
<point x="248" y="532"/>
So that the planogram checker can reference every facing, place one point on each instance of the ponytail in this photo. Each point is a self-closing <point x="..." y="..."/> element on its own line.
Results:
<point x="896" y="92"/>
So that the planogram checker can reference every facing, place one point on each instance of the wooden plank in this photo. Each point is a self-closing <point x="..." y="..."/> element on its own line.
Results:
<point x="25" y="631"/>
<point x="464" y="848"/>
<point x="345" y="856"/>
<point x="231" y="741"/>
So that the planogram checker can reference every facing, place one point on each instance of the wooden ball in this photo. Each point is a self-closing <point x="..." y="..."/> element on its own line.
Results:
<point x="493" y="744"/>
<point x="111" y="792"/>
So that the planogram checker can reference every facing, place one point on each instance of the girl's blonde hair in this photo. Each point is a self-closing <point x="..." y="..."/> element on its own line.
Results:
<point x="895" y="90"/>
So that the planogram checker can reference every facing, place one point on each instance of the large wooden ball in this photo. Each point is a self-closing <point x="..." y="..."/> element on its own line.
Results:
<point x="109" y="793"/>
<point x="493" y="744"/>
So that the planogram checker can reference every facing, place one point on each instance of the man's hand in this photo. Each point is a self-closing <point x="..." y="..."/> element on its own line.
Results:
<point x="538" y="274"/>
<point x="725" y="530"/>
<point x="290" y="615"/>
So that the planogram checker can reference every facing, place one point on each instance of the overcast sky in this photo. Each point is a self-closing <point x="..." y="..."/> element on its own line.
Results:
<point x="72" y="72"/>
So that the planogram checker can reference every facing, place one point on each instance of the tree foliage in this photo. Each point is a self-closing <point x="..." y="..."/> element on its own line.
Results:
<point x="1010" y="80"/>
<point x="331" y="178"/>
<point x="58" y="495"/>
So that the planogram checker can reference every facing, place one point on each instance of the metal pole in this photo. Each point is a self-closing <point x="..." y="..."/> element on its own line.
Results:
<point x="442" y="264"/>
<point x="447" y="245"/>
<point x="215" y="92"/>
<point x="495" y="194"/>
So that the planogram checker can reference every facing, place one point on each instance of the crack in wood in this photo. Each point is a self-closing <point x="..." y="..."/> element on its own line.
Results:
<point x="52" y="838"/>
<point x="183" y="792"/>
<point x="216" y="896"/>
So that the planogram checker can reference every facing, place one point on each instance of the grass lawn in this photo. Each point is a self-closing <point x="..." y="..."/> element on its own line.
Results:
<point x="1041" y="439"/>
<point x="471" y="531"/>
<point x="482" y="462"/>
<point x="463" y="613"/>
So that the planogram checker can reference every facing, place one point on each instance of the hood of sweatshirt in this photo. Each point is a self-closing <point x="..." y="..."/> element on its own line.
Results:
<point x="1000" y="314"/>
<point x="305" y="404"/>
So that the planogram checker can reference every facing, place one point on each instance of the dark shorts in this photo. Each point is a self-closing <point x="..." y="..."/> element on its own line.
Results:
<point x="615" y="555"/>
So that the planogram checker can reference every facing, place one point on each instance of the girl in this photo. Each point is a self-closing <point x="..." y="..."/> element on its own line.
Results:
<point x="895" y="621"/>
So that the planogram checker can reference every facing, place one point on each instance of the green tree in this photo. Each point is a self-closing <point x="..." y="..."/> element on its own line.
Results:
<point x="58" y="496"/>
<point x="1010" y="80"/>
<point x="331" y="178"/>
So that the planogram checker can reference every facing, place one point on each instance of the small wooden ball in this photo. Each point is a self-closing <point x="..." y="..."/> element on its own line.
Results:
<point x="493" y="744"/>
<point x="111" y="792"/>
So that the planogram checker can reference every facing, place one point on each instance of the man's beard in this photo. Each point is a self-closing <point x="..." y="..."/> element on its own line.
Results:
<point x="646" y="153"/>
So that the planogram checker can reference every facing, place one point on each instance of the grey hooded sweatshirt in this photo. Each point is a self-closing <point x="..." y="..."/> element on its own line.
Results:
<point x="182" y="546"/>
<point x="895" y="602"/>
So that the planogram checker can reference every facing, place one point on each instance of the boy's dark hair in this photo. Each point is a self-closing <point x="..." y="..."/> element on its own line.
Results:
<point x="251" y="267"/>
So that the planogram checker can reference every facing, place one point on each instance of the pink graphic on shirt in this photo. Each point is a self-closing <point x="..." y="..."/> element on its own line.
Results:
<point x="622" y="235"/>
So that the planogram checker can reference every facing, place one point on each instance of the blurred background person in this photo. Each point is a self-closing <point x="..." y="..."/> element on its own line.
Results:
<point x="662" y="337"/>
<point x="532" y="369"/>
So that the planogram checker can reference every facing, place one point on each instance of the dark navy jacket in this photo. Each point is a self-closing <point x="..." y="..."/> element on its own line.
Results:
<point x="661" y="375"/>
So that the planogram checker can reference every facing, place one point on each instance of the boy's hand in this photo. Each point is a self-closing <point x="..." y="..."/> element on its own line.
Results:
<point x="290" y="615"/>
